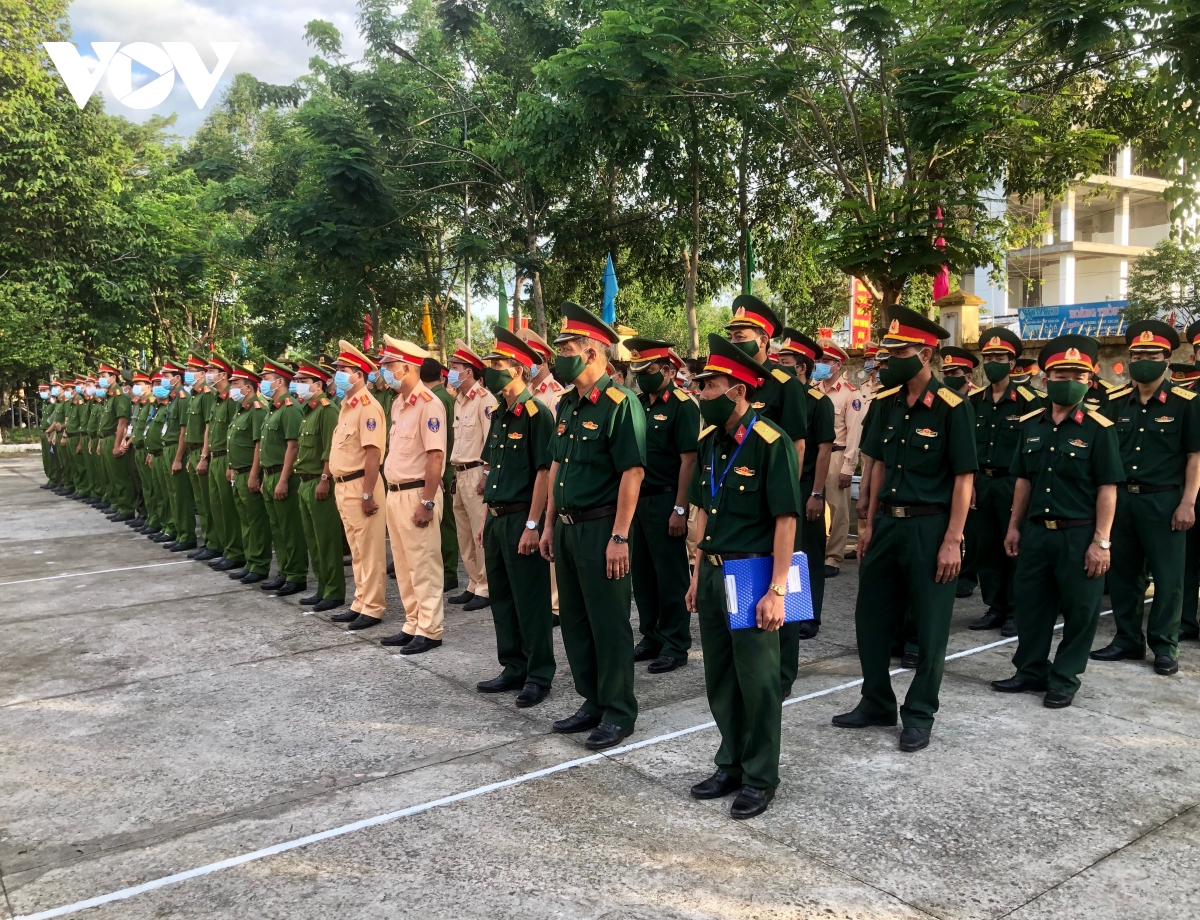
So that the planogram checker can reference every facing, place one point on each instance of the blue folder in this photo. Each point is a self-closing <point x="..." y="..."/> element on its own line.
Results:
<point x="747" y="580"/>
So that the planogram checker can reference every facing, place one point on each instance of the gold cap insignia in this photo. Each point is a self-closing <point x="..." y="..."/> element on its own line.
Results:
<point x="1146" y="336"/>
<point x="741" y="311"/>
<point x="1072" y="354"/>
<point x="995" y="342"/>
<point x="895" y="326"/>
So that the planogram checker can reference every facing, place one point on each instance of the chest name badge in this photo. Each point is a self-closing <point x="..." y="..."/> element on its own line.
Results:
<point x="1162" y="419"/>
<point x="927" y="432"/>
<point x="1012" y="418"/>
<point x="1075" y="442"/>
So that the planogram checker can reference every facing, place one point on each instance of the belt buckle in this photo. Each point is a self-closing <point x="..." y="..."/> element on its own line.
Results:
<point x="714" y="560"/>
<point x="897" y="511"/>
<point x="1051" y="525"/>
<point x="493" y="512"/>
<point x="566" y="519"/>
<point x="1134" y="489"/>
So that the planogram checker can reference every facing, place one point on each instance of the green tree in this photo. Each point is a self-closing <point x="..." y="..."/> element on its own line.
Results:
<point x="1166" y="282"/>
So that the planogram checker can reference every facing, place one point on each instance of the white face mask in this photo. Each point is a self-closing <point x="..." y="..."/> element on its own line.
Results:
<point x="303" y="391"/>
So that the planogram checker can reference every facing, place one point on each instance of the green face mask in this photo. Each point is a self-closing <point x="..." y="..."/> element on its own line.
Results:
<point x="650" y="383"/>
<point x="1146" y="371"/>
<point x="716" y="411"/>
<point x="496" y="380"/>
<point x="1066" y="392"/>
<point x="995" y="371"/>
<point x="900" y="370"/>
<point x="568" y="367"/>
<point x="749" y="349"/>
<point x="955" y="383"/>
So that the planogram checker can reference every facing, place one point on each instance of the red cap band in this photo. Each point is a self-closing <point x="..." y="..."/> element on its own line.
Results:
<point x="466" y="358"/>
<point x="363" y="365"/>
<point x="736" y="371"/>
<point x="899" y="333"/>
<point x="799" y="348"/>
<point x="502" y="348"/>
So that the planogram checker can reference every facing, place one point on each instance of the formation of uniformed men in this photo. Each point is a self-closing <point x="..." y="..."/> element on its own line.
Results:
<point x="571" y="495"/>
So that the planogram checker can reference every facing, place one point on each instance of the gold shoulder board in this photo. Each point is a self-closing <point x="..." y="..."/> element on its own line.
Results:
<point x="816" y="392"/>
<point x="616" y="395"/>
<point x="531" y="408"/>
<point x="707" y="431"/>
<point x="1028" y="415"/>
<point x="1026" y="394"/>
<point x="1181" y="392"/>
<point x="765" y="431"/>
<point x="883" y="393"/>
<point x="1102" y="420"/>
<point x="1117" y="394"/>
<point x="949" y="397"/>
<point x="974" y="390"/>
<point x="681" y="395"/>
<point x="324" y="401"/>
<point x="780" y="375"/>
<point x="1108" y="386"/>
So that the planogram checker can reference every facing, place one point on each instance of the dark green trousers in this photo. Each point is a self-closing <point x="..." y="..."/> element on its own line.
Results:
<point x="1191" y="578"/>
<point x="120" y="476"/>
<point x="899" y="571"/>
<point x="323" y="537"/>
<point x="222" y="507"/>
<point x="164" y="482"/>
<point x="1050" y="581"/>
<point x="659" y="569"/>
<point x="287" y="532"/>
<point x="810" y="540"/>
<point x="200" y="497"/>
<point x="594" y="613"/>
<point x="449" y="531"/>
<point x="149" y="482"/>
<point x="183" y="503"/>
<point x="969" y="573"/>
<point x="520" y="594"/>
<point x="256" y="526"/>
<point x="49" y="464"/>
<point x="1141" y="537"/>
<point x="993" y="508"/>
<point x="741" y="677"/>
<point x="66" y="462"/>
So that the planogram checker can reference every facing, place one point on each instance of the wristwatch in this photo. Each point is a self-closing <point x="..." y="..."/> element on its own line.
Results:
<point x="531" y="525"/>
<point x="429" y="504"/>
<point x="817" y="495"/>
<point x="325" y="477"/>
<point x="681" y="511"/>
<point x="618" y="539"/>
<point x="781" y="590"/>
<point x="367" y="496"/>
<point x="1103" y="544"/>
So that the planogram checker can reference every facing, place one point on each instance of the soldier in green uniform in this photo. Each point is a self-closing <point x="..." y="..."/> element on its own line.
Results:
<point x="72" y="429"/>
<point x="517" y="455"/>
<point x="45" y="420"/>
<point x="1024" y="372"/>
<point x="318" y="511"/>
<point x="658" y="556"/>
<point x="1067" y="465"/>
<point x="225" y="552"/>
<point x="183" y="502"/>
<point x="200" y="400"/>
<point x="746" y="486"/>
<point x="958" y="369"/>
<point x="431" y="376"/>
<point x="798" y="355"/>
<point x="998" y="408"/>
<point x="922" y="445"/>
<point x="159" y="516"/>
<point x="62" y="390"/>
<point x="277" y="454"/>
<point x="245" y="472"/>
<point x="599" y="452"/>
<point x="1189" y="627"/>
<point x="116" y="412"/>
<point x="140" y="397"/>
<point x="98" y="487"/>
<point x="1158" y="427"/>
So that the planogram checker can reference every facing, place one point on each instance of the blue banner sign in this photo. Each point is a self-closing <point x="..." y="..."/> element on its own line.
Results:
<point x="1095" y="319"/>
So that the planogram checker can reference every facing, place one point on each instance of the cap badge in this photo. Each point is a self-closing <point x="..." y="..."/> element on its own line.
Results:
<point x="895" y="326"/>
<point x="1146" y="336"/>
<point x="1072" y="354"/>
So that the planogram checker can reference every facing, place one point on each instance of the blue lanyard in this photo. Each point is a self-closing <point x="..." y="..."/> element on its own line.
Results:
<point x="715" y="484"/>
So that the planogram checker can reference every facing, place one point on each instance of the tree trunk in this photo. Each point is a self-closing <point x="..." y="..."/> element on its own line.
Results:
<point x="693" y="258"/>
<point x="516" y="301"/>
<point x="538" y="306"/>
<point x="743" y="202"/>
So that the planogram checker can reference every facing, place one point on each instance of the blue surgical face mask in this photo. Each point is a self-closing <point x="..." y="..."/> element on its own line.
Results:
<point x="342" y="379"/>
<point x="55" y="391"/>
<point x="139" y="390"/>
<point x="821" y="371"/>
<point x="210" y="377"/>
<point x="103" y="383"/>
<point x="341" y="394"/>
<point x="91" y="391"/>
<point x="453" y="378"/>
<point x="373" y="376"/>
<point x="161" y="392"/>
<point x="302" y="390"/>
<point x="292" y="385"/>
<point x="236" y="394"/>
<point x="189" y="378"/>
<point x="389" y="378"/>
<point x="44" y="394"/>
<point x="266" y="389"/>
<point x="535" y="370"/>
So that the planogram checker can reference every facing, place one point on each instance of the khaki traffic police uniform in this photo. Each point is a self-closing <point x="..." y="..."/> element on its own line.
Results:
<point x="849" y="407"/>
<point x="472" y="418"/>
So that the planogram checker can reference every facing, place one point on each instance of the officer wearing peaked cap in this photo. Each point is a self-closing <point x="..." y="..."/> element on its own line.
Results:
<point x="1158" y="427"/>
<point x="658" y="538"/>
<point x="922" y="447"/>
<point x="199" y="403"/>
<point x="225" y="531"/>
<point x="245" y="472"/>
<point x="1067" y="465"/>
<point x="1189" y="627"/>
<point x="746" y="485"/>
<point x="278" y="449"/>
<point x="599" y="452"/>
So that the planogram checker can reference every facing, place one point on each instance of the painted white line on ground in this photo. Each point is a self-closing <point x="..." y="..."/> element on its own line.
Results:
<point x="390" y="816"/>
<point x="128" y="568"/>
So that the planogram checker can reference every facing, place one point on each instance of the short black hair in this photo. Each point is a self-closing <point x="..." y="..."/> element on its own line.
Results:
<point x="621" y="367"/>
<point x="431" y="370"/>
<point x="695" y="365"/>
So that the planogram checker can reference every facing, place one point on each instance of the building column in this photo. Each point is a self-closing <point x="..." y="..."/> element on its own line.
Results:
<point x="1121" y="238"/>
<point x="1066" y="236"/>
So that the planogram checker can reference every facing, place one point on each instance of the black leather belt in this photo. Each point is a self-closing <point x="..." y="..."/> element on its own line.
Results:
<point x="510" y="508"/>
<point x="993" y="472"/>
<point x="196" y="446"/>
<point x="837" y="447"/>
<point x="722" y="558"/>
<point x="655" y="490"/>
<point x="403" y="486"/>
<point x="592" y="514"/>
<point x="1137" y="488"/>
<point x="270" y="470"/>
<point x="459" y="467"/>
<point x="238" y="470"/>
<point x="155" y="453"/>
<point x="350" y="477"/>
<point x="911" y="511"/>
<point x="1064" y="523"/>
<point x="309" y="477"/>
<point x="217" y="453"/>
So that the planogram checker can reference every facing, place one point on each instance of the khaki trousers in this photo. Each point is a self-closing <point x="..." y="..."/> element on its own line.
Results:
<point x="837" y="512"/>
<point x="469" y="512"/>
<point x="368" y="556"/>
<point x="417" y="554"/>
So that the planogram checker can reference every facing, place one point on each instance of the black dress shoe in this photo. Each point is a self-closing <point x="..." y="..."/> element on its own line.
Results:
<point x="580" y="722"/>
<point x="182" y="547"/>
<point x="555" y="620"/>
<point x="161" y="537"/>
<point x="1019" y="684"/>
<point x="1114" y="652"/>
<point x="664" y="663"/>
<point x="1187" y="634"/>
<point x="401" y="638"/>
<point x="217" y="560"/>
<point x="606" y="735"/>
<point x="750" y="802"/>
<point x="641" y="653"/>
<point x="150" y="530"/>
<point x="252" y="578"/>
<point x="420" y="644"/>
<point x="1056" y="699"/>
<point x="858" y="719"/>
<point x="478" y="602"/>
<point x="206" y="555"/>
<point x="853" y="554"/>
<point x="170" y="544"/>
<point x="288" y="588"/>
<point x="531" y="694"/>
<point x="88" y="500"/>
<point x="310" y="600"/>
<point x="832" y="571"/>
<point x="136" y="524"/>
<point x="224" y="565"/>
<point x="1009" y="629"/>
<point x="348" y="617"/>
<point x="993" y="619"/>
<point x="914" y="739"/>
<point x="104" y="506"/>
<point x="717" y="786"/>
<point x="499" y="684"/>
<point x="274" y="584"/>
<point x="460" y="598"/>
<point x="195" y="554"/>
<point x="364" y="622"/>
<point x="1165" y="664"/>
<point x="238" y="574"/>
<point x="808" y="629"/>
<point x="909" y="660"/>
<point x="964" y="588"/>
<point x="326" y="603"/>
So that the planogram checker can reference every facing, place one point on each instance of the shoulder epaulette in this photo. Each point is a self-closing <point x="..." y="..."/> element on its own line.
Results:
<point x="949" y="397"/>
<point x="1186" y="394"/>
<point x="882" y="393"/>
<point x="1117" y="394"/>
<point x="1102" y="420"/>
<point x="765" y="431"/>
<point x="1041" y="393"/>
<point x="707" y="431"/>
<point x="1028" y="415"/>
<point x="257" y="405"/>
<point x="974" y="390"/>
<point x="1108" y="386"/>
<point x="816" y="392"/>
<point x="780" y="375"/>
<point x="324" y="401"/>
<point x="616" y="394"/>
<point x="531" y="407"/>
<point x="426" y="395"/>
<point x="681" y="395"/>
<point x="1026" y="394"/>
<point x="287" y="402"/>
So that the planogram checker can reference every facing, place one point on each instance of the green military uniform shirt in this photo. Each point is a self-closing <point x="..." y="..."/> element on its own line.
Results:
<point x="244" y="431"/>
<point x="387" y="396"/>
<point x="155" y="420"/>
<point x="517" y="446"/>
<point x="75" y="416"/>
<point x="924" y="446"/>
<point x="598" y="437"/>
<point x="141" y="416"/>
<point x="221" y="411"/>
<point x="198" y="408"/>
<point x="1067" y="463"/>
<point x="315" y="436"/>
<point x="1156" y="438"/>
<point x="781" y="399"/>
<point x="755" y="475"/>
<point x="281" y="426"/>
<point x="998" y="424"/>
<point x="116" y="407"/>
<point x="176" y="419"/>
<point x="820" y="429"/>
<point x="672" y="429"/>
<point x="94" y="417"/>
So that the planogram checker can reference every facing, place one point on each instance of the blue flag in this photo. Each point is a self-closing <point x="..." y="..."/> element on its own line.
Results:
<point x="244" y="350"/>
<point x="609" y="313"/>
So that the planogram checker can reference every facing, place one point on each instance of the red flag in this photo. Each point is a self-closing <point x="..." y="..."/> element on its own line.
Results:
<point x="367" y="331"/>
<point x="941" y="281"/>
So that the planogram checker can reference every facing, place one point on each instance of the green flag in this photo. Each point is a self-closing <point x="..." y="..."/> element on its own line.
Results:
<point x="748" y="278"/>
<point x="502" y="318"/>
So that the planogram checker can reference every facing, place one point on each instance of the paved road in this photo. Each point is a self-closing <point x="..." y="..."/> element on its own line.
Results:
<point x="156" y="719"/>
